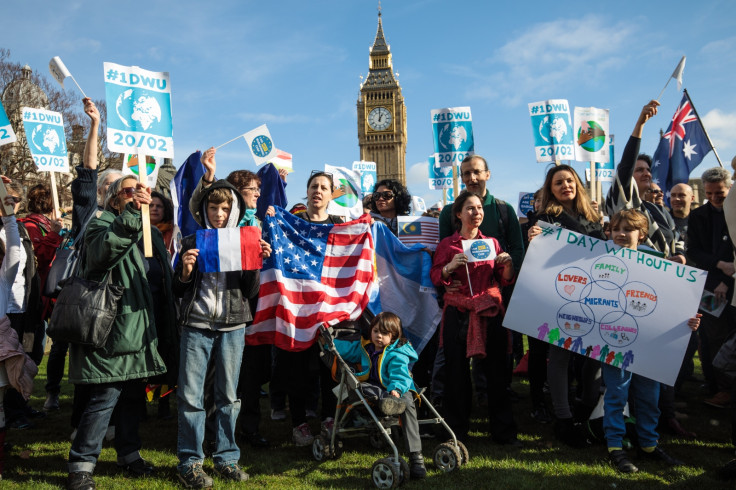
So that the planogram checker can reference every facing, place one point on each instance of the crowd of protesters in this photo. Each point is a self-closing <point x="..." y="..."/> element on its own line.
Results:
<point x="184" y="329"/>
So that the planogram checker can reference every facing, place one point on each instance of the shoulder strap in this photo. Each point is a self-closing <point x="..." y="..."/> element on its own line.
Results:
<point x="503" y="221"/>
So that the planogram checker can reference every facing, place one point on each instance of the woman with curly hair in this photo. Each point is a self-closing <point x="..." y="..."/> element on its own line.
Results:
<point x="390" y="199"/>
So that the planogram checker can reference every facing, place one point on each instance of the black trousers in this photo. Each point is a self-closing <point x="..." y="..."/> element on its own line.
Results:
<point x="255" y="371"/>
<point x="458" y="391"/>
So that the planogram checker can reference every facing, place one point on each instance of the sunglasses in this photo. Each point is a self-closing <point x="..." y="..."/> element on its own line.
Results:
<point x="16" y="199"/>
<point x="656" y="193"/>
<point x="386" y="195"/>
<point x="128" y="191"/>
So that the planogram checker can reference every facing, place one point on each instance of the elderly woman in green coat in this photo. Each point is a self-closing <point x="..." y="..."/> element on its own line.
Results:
<point x="132" y="352"/>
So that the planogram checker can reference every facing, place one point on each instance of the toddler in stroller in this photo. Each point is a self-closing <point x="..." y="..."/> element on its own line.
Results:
<point x="375" y="371"/>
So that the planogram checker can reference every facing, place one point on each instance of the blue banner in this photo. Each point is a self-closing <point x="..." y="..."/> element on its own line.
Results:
<point x="138" y="111"/>
<point x="453" y="135"/>
<point x="7" y="135"/>
<point x="46" y="139"/>
<point x="368" y="175"/>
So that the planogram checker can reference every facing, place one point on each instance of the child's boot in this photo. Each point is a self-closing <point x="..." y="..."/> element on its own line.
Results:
<point x="416" y="466"/>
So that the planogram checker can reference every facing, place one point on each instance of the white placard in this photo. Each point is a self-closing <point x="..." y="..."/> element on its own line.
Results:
<point x="479" y="250"/>
<point x="620" y="306"/>
<point x="46" y="139"/>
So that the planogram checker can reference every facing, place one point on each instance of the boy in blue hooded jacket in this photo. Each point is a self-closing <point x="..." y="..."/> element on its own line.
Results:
<point x="384" y="361"/>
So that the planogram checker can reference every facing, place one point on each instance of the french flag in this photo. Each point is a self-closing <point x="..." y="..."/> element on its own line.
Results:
<point x="229" y="249"/>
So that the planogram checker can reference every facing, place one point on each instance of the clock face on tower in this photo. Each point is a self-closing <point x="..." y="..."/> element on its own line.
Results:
<point x="379" y="119"/>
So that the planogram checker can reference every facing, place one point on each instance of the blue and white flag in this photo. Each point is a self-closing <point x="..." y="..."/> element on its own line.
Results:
<point x="681" y="148"/>
<point x="368" y="175"/>
<point x="46" y="140"/>
<point x="138" y="111"/>
<point x="260" y="144"/>
<point x="452" y="129"/>
<point x="7" y="135"/>
<point x="553" y="134"/>
<point x="404" y="286"/>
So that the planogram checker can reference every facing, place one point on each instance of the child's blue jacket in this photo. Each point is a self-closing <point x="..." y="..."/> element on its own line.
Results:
<point x="393" y="363"/>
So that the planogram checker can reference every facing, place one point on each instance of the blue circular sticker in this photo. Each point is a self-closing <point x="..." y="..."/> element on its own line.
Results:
<point x="261" y="146"/>
<point x="480" y="250"/>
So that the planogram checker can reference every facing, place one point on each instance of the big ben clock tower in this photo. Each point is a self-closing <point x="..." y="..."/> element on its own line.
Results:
<point x="382" y="114"/>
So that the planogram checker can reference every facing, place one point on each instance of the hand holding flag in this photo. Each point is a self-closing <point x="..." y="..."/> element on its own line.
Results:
<point x="59" y="71"/>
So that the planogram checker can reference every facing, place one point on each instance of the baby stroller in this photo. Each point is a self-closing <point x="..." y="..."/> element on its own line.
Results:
<point x="357" y="415"/>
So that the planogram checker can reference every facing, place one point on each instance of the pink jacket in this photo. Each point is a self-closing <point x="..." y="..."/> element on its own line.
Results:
<point x="20" y="368"/>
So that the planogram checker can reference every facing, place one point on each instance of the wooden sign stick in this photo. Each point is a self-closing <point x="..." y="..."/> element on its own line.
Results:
<point x="145" y="215"/>
<point x="55" y="195"/>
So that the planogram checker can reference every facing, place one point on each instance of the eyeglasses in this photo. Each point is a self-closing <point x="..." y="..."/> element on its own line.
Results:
<point x="16" y="199"/>
<point x="385" y="195"/>
<point x="128" y="191"/>
<point x="655" y="192"/>
<point x="252" y="189"/>
<point x="320" y="172"/>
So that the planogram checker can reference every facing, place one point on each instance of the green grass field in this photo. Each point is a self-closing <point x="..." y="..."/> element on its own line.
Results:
<point x="38" y="457"/>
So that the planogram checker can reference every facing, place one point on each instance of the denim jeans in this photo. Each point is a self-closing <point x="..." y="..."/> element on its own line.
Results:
<point x="645" y="398"/>
<point x="95" y="419"/>
<point x="226" y="350"/>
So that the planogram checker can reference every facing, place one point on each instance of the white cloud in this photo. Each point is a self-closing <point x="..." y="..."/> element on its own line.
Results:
<point x="547" y="55"/>
<point x="719" y="49"/>
<point x="418" y="175"/>
<point x="721" y="128"/>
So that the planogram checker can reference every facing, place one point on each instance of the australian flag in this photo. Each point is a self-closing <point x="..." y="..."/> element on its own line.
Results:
<point x="681" y="148"/>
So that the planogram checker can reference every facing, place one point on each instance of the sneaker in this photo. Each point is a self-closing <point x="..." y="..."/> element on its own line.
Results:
<point x="33" y="413"/>
<point x="195" y="477"/>
<point x="392" y="405"/>
<point x="52" y="401"/>
<point x="621" y="461"/>
<point x="20" y="423"/>
<point x="302" y="436"/>
<point x="328" y="425"/>
<point x="417" y="470"/>
<point x="659" y="455"/>
<point x="231" y="472"/>
<point x="138" y="468"/>
<point x="80" y="480"/>
<point x="722" y="399"/>
<point x="541" y="415"/>
<point x="278" y="415"/>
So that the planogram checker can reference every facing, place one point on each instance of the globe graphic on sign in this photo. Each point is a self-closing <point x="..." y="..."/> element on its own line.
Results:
<point x="591" y="136"/>
<point x="133" y="164"/>
<point x="137" y="109"/>
<point x="555" y="127"/>
<point x="45" y="139"/>
<point x="350" y="196"/>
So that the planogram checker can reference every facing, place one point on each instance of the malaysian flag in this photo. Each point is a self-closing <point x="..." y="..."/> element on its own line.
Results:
<point x="316" y="274"/>
<point x="681" y="148"/>
<point x="419" y="229"/>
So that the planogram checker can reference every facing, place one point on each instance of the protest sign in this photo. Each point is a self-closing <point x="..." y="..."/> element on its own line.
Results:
<point x="347" y="198"/>
<point x="138" y="111"/>
<point x="260" y="144"/>
<point x="7" y="135"/>
<point x="419" y="229"/>
<point x="453" y="135"/>
<point x="283" y="160"/>
<point x="441" y="177"/>
<point x="526" y="204"/>
<point x="46" y="140"/>
<point x="152" y="166"/>
<point x="620" y="306"/>
<point x="368" y="175"/>
<point x="479" y="250"/>
<point x="553" y="138"/>
<point x="591" y="134"/>
<point x="604" y="171"/>
<point x="418" y="205"/>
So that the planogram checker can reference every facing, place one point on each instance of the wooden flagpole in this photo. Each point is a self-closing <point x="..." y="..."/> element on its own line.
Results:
<point x="145" y="215"/>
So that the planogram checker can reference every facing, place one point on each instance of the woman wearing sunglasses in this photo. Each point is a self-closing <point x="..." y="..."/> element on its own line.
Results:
<point x="390" y="199"/>
<point x="138" y="347"/>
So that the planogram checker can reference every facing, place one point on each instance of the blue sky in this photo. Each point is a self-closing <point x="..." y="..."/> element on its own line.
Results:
<point x="296" y="67"/>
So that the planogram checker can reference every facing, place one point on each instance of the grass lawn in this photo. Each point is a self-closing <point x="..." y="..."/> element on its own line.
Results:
<point x="38" y="457"/>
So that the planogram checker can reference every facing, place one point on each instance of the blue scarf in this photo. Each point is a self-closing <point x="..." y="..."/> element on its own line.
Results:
<point x="249" y="218"/>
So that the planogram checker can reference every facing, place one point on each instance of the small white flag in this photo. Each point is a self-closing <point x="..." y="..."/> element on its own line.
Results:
<point x="677" y="74"/>
<point x="260" y="144"/>
<point x="418" y="204"/>
<point x="58" y="70"/>
<point x="478" y="250"/>
<point x="283" y="160"/>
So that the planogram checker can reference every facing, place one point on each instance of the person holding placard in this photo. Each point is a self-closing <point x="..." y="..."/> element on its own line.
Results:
<point x="629" y="229"/>
<point x="565" y="203"/>
<point x="468" y="316"/>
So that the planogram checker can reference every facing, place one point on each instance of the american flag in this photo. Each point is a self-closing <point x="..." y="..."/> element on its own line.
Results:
<point x="419" y="229"/>
<point x="316" y="274"/>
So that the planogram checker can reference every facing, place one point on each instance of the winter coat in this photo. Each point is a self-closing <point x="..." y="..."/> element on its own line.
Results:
<point x="393" y="363"/>
<point x="131" y="351"/>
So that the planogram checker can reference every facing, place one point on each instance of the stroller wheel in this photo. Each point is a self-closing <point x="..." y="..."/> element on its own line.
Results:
<point x="404" y="467"/>
<point x="464" y="454"/>
<point x="447" y="457"/>
<point x="384" y="474"/>
<point x="320" y="448"/>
